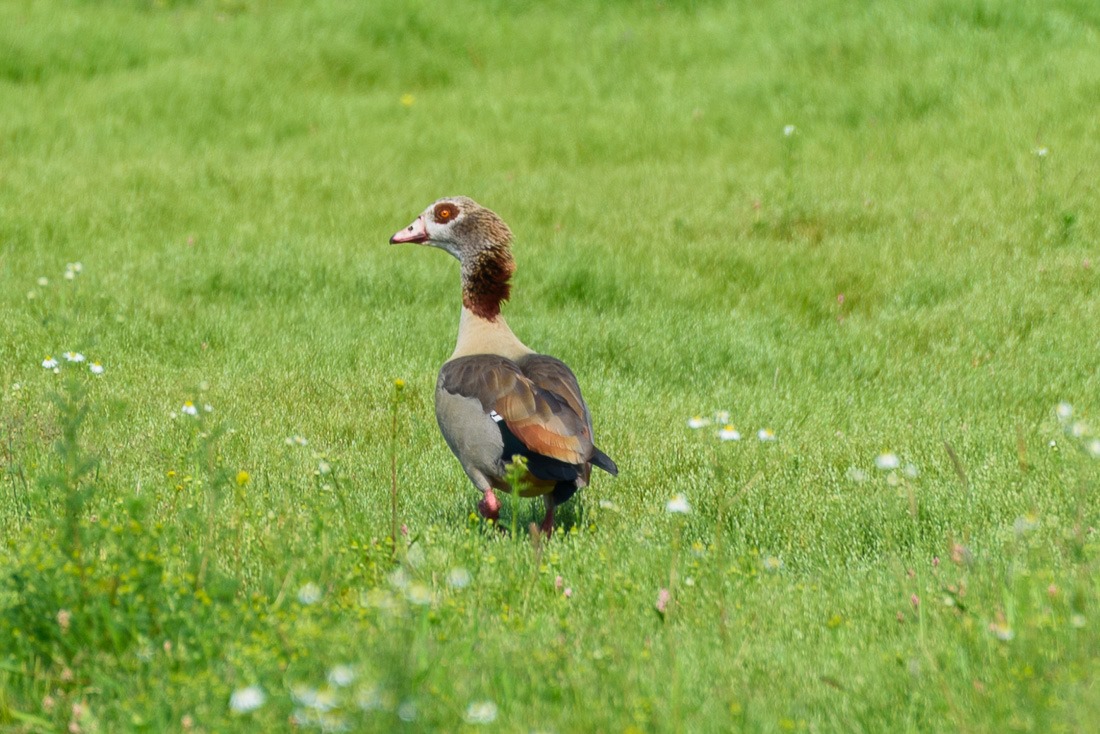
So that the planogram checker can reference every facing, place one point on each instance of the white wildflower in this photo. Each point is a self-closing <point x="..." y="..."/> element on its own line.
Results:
<point x="911" y="471"/>
<point x="1025" y="523"/>
<point x="1064" y="411"/>
<point x="729" y="433"/>
<point x="49" y="363"/>
<point x="458" y="578"/>
<point x="369" y="699"/>
<point x="73" y="357"/>
<point x="765" y="434"/>
<point x="788" y="130"/>
<point x="1094" y="448"/>
<point x="1042" y="151"/>
<point x="189" y="409"/>
<point x="678" y="505"/>
<point x="323" y="700"/>
<point x="407" y="711"/>
<point x="310" y="593"/>
<point x="341" y="675"/>
<point x="722" y="417"/>
<point x="248" y="699"/>
<point x="95" y="368"/>
<point x="418" y="594"/>
<point x="698" y="421"/>
<point x="43" y="281"/>
<point x="887" y="461"/>
<point x="399" y="579"/>
<point x="481" y="712"/>
<point x="856" y="474"/>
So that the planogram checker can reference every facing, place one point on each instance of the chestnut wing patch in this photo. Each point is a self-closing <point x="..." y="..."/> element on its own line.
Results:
<point x="554" y="376"/>
<point x="542" y="420"/>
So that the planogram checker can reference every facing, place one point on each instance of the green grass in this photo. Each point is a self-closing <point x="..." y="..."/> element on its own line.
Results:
<point x="228" y="174"/>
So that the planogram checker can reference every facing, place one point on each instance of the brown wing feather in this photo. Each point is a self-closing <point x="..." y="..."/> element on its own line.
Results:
<point x="554" y="376"/>
<point x="543" y="420"/>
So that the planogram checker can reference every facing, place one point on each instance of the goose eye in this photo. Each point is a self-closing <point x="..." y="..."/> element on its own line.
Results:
<point x="445" y="213"/>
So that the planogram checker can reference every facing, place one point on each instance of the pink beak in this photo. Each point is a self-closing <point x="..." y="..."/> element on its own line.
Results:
<point x="415" y="232"/>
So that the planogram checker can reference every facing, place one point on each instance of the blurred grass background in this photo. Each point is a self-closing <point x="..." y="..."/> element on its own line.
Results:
<point x="902" y="271"/>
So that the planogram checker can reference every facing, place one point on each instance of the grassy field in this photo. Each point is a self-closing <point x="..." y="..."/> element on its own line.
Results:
<point x="906" y="278"/>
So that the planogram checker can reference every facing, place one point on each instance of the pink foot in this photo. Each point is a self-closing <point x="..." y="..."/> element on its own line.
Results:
<point x="489" y="507"/>
<point x="547" y="526"/>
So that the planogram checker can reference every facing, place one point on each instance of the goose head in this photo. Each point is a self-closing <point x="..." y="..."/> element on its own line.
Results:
<point x="481" y="242"/>
<point x="459" y="225"/>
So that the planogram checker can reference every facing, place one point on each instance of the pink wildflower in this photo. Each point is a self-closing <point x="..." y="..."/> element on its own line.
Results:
<point x="662" y="600"/>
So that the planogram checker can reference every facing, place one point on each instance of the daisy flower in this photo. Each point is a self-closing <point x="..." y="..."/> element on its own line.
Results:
<point x="765" y="434"/>
<point x="887" y="461"/>
<point x="189" y="408"/>
<point x="73" y="357"/>
<point x="96" y="368"/>
<point x="678" y="505"/>
<point x="418" y="594"/>
<point x="1001" y="630"/>
<point x="458" y="578"/>
<point x="248" y="699"/>
<point x="341" y="676"/>
<point x="310" y="593"/>
<point x="729" y="433"/>
<point x="698" y="421"/>
<point x="481" y="712"/>
<point x="49" y="363"/>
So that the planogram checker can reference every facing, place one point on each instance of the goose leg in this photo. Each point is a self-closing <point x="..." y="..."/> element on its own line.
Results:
<point x="489" y="507"/>
<point x="547" y="525"/>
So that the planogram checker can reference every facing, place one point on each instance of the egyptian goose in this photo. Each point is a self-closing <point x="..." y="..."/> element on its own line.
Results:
<point x="495" y="397"/>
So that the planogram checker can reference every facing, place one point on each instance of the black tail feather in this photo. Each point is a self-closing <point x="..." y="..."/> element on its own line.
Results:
<point x="604" y="461"/>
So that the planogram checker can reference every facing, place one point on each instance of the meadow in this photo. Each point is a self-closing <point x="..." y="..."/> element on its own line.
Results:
<point x="867" y="231"/>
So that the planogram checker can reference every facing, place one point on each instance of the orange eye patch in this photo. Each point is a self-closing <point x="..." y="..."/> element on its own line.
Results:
<point x="444" y="213"/>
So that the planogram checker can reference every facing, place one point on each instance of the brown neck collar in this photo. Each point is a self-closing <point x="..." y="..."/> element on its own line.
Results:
<point x="485" y="281"/>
